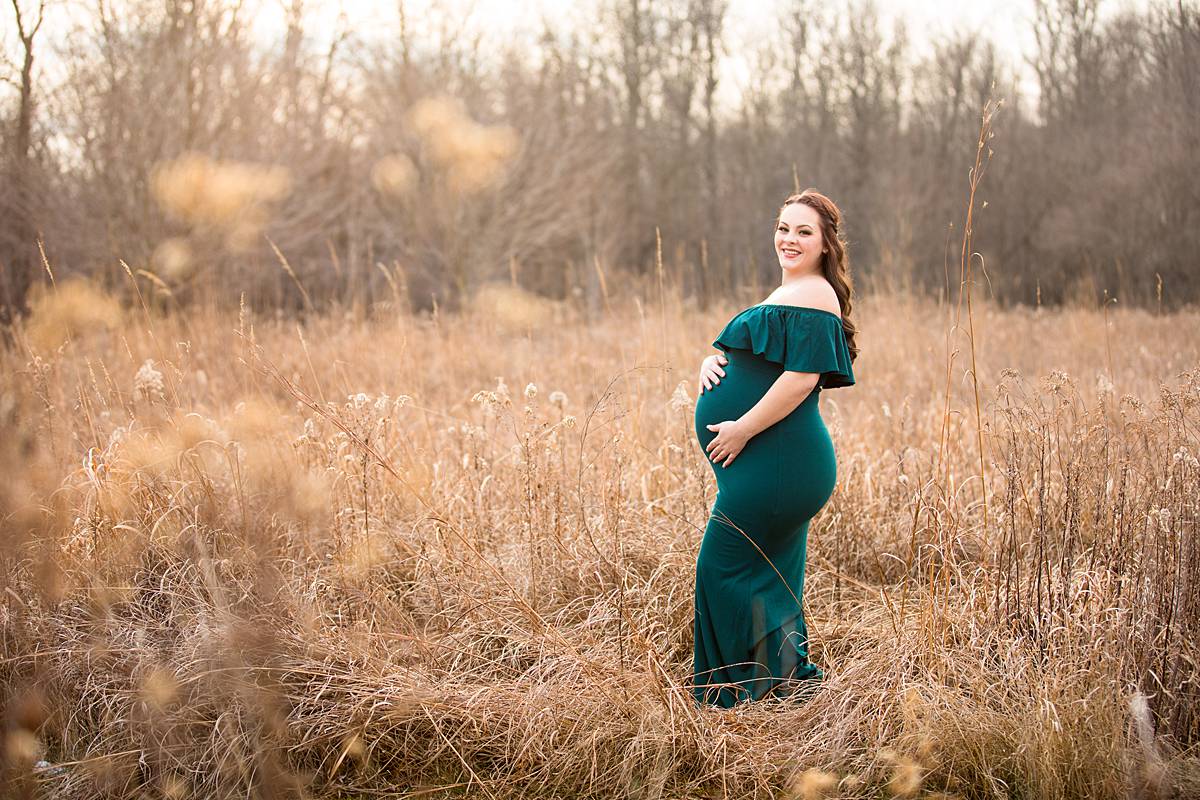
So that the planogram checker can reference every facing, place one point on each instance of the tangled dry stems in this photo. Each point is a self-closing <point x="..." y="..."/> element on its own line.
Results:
<point x="359" y="563"/>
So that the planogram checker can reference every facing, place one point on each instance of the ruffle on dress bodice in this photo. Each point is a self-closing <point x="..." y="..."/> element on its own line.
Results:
<point x="800" y="338"/>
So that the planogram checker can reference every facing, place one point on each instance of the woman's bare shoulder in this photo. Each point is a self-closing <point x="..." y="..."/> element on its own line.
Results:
<point x="813" y="293"/>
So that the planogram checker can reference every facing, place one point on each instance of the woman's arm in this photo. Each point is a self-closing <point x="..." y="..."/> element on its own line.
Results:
<point x="789" y="391"/>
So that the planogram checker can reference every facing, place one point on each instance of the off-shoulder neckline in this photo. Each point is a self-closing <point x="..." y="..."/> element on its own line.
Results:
<point x="798" y="308"/>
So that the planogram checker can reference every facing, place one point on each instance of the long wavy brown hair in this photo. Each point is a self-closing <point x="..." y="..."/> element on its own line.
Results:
<point x="835" y="265"/>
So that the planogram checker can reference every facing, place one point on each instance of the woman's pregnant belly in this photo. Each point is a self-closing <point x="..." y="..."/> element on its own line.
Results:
<point x="787" y="472"/>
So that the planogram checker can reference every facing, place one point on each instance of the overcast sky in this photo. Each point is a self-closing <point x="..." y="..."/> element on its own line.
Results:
<point x="926" y="17"/>
<point x="1007" y="22"/>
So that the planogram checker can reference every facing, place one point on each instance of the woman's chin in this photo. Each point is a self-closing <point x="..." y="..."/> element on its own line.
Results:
<point x="793" y="267"/>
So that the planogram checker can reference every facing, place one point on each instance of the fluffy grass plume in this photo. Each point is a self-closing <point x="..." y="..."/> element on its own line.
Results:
<point x="470" y="153"/>
<point x="230" y="198"/>
<point x="75" y="308"/>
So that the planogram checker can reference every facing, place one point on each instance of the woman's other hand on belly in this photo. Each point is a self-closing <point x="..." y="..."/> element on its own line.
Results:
<point x="711" y="372"/>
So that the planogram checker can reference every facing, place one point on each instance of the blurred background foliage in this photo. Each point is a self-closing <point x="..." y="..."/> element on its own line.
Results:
<point x="416" y="164"/>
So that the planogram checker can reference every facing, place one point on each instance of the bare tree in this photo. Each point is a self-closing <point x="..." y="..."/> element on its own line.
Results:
<point x="710" y="24"/>
<point x="635" y="22"/>
<point x="1069" y="54"/>
<point x="18" y="253"/>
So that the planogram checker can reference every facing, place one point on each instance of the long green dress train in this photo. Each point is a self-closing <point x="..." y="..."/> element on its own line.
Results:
<point x="750" y="636"/>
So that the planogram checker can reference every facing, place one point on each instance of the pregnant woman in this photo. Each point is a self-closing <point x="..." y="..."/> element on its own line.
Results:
<point x="759" y="422"/>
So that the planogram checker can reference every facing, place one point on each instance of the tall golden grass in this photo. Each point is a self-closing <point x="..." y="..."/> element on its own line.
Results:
<point x="453" y="554"/>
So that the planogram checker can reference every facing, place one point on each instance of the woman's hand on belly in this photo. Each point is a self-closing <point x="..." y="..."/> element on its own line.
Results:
<point x="711" y="372"/>
<point x="732" y="436"/>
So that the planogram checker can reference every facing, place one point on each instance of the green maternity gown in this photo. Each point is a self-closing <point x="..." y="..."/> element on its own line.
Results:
<point x="750" y="636"/>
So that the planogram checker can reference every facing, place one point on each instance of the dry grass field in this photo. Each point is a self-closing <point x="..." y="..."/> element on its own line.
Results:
<point x="452" y="555"/>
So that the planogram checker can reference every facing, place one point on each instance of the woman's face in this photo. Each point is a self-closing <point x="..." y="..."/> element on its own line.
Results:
<point x="798" y="240"/>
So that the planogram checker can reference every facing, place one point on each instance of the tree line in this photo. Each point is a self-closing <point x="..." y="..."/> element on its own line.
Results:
<point x="171" y="143"/>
